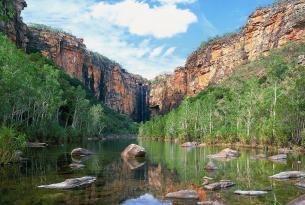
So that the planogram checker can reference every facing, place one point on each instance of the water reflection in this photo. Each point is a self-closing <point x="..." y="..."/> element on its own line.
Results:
<point x="167" y="168"/>
<point x="146" y="199"/>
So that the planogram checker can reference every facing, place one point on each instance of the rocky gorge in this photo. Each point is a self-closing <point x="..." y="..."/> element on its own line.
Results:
<point x="266" y="29"/>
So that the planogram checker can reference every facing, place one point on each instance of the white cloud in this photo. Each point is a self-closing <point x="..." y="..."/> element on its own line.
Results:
<point x="156" y="52"/>
<point x="176" y="1"/>
<point x="169" y="51"/>
<point x="140" y="55"/>
<point x="141" y="19"/>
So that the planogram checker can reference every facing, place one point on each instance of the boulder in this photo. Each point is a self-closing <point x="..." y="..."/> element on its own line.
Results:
<point x="288" y="175"/>
<point x="278" y="157"/>
<point x="202" y="145"/>
<point x="219" y="185"/>
<point x="226" y="153"/>
<point x="71" y="183"/>
<point x="189" y="144"/>
<point x="133" y="151"/>
<point x="76" y="166"/>
<point x="183" y="194"/>
<point x="81" y="152"/>
<point x="250" y="193"/>
<point x="211" y="166"/>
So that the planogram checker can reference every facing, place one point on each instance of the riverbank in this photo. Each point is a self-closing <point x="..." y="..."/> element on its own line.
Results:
<point x="274" y="148"/>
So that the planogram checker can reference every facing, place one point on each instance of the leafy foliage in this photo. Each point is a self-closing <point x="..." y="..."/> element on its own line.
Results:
<point x="44" y="102"/>
<point x="10" y="141"/>
<point x="263" y="102"/>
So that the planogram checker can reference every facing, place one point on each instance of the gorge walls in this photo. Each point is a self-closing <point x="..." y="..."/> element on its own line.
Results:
<point x="266" y="29"/>
<point x="121" y="91"/>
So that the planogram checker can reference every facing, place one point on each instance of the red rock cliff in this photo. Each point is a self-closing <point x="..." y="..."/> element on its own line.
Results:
<point x="118" y="89"/>
<point x="266" y="29"/>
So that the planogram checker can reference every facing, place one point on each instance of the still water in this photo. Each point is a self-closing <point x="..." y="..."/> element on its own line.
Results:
<point x="167" y="168"/>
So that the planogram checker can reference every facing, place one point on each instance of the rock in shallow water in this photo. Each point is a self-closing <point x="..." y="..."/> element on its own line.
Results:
<point x="189" y="144"/>
<point x="288" y="175"/>
<point x="278" y="157"/>
<point x="298" y="201"/>
<point x="183" y="194"/>
<point x="133" y="150"/>
<point x="81" y="152"/>
<point x="219" y="185"/>
<point x="226" y="153"/>
<point x="250" y="193"/>
<point x="71" y="183"/>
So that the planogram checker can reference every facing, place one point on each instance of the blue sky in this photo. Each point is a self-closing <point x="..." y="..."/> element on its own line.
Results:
<point x="147" y="37"/>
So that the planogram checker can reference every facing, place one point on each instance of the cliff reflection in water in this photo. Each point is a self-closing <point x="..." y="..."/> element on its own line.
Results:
<point x="167" y="168"/>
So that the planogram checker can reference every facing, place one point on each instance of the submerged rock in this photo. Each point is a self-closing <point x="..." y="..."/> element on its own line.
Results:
<point x="36" y="145"/>
<point x="278" y="157"/>
<point x="250" y="193"/>
<point x="76" y="166"/>
<point x="71" y="183"/>
<point x="189" y="144"/>
<point x="211" y="166"/>
<point x="288" y="175"/>
<point x="132" y="151"/>
<point x="226" y="153"/>
<point x="81" y="152"/>
<point x="183" y="194"/>
<point x="219" y="185"/>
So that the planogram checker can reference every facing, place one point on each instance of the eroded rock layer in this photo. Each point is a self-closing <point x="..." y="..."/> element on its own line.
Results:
<point x="118" y="89"/>
<point x="266" y="29"/>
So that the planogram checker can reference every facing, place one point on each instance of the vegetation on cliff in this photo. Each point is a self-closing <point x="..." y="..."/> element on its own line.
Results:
<point x="45" y="103"/>
<point x="263" y="102"/>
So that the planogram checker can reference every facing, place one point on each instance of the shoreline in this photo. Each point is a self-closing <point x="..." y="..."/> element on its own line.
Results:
<point x="293" y="149"/>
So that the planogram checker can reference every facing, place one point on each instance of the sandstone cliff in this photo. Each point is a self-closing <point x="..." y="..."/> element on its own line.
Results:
<point x="11" y="23"/>
<point x="118" y="89"/>
<point x="266" y="29"/>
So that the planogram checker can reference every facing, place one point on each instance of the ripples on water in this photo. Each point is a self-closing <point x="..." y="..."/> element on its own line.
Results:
<point x="168" y="168"/>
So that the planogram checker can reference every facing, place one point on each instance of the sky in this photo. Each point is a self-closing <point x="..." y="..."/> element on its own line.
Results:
<point x="147" y="37"/>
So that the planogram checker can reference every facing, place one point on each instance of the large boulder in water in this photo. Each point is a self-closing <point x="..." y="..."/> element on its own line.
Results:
<point x="133" y="151"/>
<point x="81" y="152"/>
<point x="71" y="183"/>
<point x="189" y="144"/>
<point x="219" y="185"/>
<point x="225" y="153"/>
<point x="183" y="194"/>
<point x="288" y="175"/>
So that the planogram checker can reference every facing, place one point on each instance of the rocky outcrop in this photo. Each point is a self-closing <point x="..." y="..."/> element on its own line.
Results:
<point x="266" y="29"/>
<point x="11" y="22"/>
<point x="123" y="92"/>
<point x="71" y="183"/>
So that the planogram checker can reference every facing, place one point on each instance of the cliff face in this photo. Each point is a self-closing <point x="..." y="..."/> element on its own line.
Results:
<point x="266" y="29"/>
<point x="11" y="23"/>
<point x="118" y="89"/>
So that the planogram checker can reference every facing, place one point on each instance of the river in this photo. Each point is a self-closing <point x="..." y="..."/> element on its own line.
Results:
<point x="167" y="168"/>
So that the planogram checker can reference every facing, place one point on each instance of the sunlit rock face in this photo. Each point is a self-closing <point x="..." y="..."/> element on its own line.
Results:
<point x="14" y="27"/>
<point x="266" y="29"/>
<point x="118" y="89"/>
